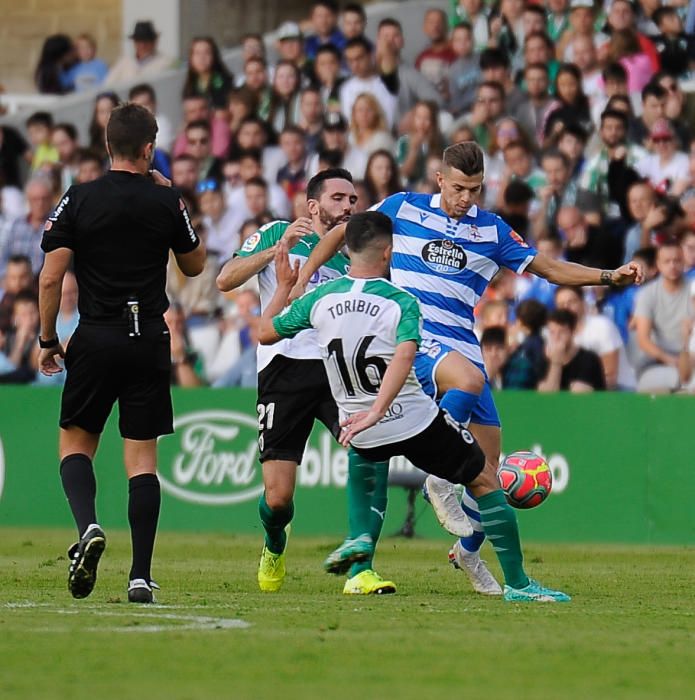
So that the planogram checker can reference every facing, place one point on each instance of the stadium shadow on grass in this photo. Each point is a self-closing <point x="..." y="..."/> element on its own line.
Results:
<point x="628" y="632"/>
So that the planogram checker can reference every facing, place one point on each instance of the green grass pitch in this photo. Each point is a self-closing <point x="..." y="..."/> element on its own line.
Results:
<point x="628" y="633"/>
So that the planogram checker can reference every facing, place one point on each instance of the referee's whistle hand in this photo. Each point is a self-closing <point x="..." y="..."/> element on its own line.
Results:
<point x="47" y="360"/>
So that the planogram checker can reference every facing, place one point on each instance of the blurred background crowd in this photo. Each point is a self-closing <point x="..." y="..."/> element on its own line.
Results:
<point x="585" y="111"/>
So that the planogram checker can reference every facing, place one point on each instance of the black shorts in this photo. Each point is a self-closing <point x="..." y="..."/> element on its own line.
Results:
<point x="104" y="365"/>
<point x="442" y="449"/>
<point x="291" y="395"/>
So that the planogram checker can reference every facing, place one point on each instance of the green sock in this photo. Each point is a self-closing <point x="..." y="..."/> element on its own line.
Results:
<point x="274" y="522"/>
<point x="360" y="487"/>
<point x="499" y="523"/>
<point x="377" y="511"/>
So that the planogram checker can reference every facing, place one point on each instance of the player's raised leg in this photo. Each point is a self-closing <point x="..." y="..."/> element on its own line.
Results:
<point x="77" y="450"/>
<point x="276" y="509"/>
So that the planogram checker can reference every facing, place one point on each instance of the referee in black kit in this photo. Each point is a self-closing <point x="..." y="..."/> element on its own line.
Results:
<point x="119" y="230"/>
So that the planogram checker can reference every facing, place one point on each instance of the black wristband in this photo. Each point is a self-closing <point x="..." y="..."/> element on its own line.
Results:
<point x="48" y="344"/>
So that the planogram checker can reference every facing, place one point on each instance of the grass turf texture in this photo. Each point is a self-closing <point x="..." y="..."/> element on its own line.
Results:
<point x="628" y="633"/>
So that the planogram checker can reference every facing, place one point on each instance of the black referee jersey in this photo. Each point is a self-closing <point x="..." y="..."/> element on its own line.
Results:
<point x="120" y="229"/>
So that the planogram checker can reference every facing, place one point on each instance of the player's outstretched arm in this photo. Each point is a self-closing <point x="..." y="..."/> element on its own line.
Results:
<point x="393" y="381"/>
<point x="286" y="276"/>
<point x="572" y="274"/>
<point x="325" y="249"/>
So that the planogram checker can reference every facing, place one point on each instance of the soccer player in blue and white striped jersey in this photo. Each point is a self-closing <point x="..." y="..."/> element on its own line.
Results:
<point x="445" y="252"/>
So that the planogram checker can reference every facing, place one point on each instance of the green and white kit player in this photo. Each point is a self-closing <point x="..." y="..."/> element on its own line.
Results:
<point x="368" y="331"/>
<point x="293" y="388"/>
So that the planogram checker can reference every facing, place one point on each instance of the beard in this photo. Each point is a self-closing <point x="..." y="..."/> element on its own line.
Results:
<point x="329" y="221"/>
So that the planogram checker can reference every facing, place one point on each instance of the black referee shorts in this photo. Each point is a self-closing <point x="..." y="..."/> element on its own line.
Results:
<point x="104" y="365"/>
<point x="291" y="395"/>
<point x="442" y="448"/>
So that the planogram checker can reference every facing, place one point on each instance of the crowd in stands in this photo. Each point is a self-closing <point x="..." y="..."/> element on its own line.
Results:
<point x="582" y="109"/>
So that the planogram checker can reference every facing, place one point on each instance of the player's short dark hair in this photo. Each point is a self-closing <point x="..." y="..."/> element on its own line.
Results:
<point x="494" y="335"/>
<point x="466" y="156"/>
<point x="493" y="85"/>
<point x="68" y="128"/>
<point x="614" y="72"/>
<point x="576" y="130"/>
<point x="390" y="22"/>
<point x="463" y="25"/>
<point x="557" y="154"/>
<point x="142" y="89"/>
<point x="517" y="192"/>
<point x="257" y="181"/>
<point x="577" y="291"/>
<point x="254" y="153"/>
<point x="653" y="89"/>
<point x="532" y="314"/>
<point x="358" y="41"/>
<point x="364" y="228"/>
<point x="614" y="114"/>
<point x="661" y="12"/>
<point x="331" y="157"/>
<point x="563" y="317"/>
<point x="40" y="119"/>
<point x="329" y="48"/>
<point x="494" y="57"/>
<point x="130" y="128"/>
<point x="18" y="259"/>
<point x="294" y="129"/>
<point x="539" y="35"/>
<point x="356" y="9"/>
<point x="330" y="5"/>
<point x="536" y="66"/>
<point x="315" y="186"/>
<point x="199" y="124"/>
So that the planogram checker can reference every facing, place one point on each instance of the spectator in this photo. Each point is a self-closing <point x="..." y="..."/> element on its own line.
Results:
<point x="610" y="172"/>
<point x="144" y="94"/>
<point x="241" y="104"/>
<point x="104" y="104"/>
<point x="661" y="310"/>
<point x="207" y="74"/>
<point x="39" y="129"/>
<point x="24" y="235"/>
<point x="581" y="23"/>
<point x="284" y="98"/>
<point x="422" y="140"/>
<point x="599" y="334"/>
<point x="368" y="128"/>
<point x="679" y="110"/>
<point x="621" y="17"/>
<point x="493" y="344"/>
<point x="538" y="48"/>
<point x="687" y="202"/>
<point x="571" y="104"/>
<point x="488" y="108"/>
<point x="667" y="167"/>
<point x="624" y="48"/>
<point x="185" y="367"/>
<point x="473" y="13"/>
<point x="13" y="149"/>
<point x="558" y="19"/>
<point x="57" y="57"/>
<point x="585" y="58"/>
<point x="65" y="141"/>
<point x="196" y="108"/>
<point x="464" y="72"/>
<point x="253" y="134"/>
<point x="219" y="221"/>
<point x="311" y="117"/>
<point x="256" y="88"/>
<point x="688" y="246"/>
<point x="434" y="61"/>
<point x="292" y="177"/>
<point x="647" y="215"/>
<point x="506" y="27"/>
<point x="572" y="141"/>
<point x="335" y="141"/>
<point x="516" y="204"/>
<point x="365" y="79"/>
<point x="256" y="197"/>
<point x="353" y="21"/>
<point x="559" y="191"/>
<point x="198" y="137"/>
<point x="327" y="76"/>
<point x="89" y="72"/>
<point x="533" y="112"/>
<point x="324" y="25"/>
<point x="252" y="46"/>
<point x="404" y="81"/>
<point x="586" y="244"/>
<point x="381" y="178"/>
<point x="22" y="346"/>
<point x="654" y="100"/>
<point x="496" y="68"/>
<point x="146" y="61"/>
<point x="90" y="166"/>
<point x="290" y="47"/>
<point x="676" y="49"/>
<point x="17" y="278"/>
<point x="569" y="367"/>
<point x="525" y="367"/>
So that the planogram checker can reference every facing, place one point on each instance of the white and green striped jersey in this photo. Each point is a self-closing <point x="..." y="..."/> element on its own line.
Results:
<point x="304" y="345"/>
<point x="359" y="324"/>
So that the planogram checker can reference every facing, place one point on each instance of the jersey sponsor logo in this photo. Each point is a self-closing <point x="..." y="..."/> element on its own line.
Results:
<point x="59" y="209"/>
<point x="444" y="256"/>
<point x="251" y="242"/>
<point x="516" y="237"/>
<point x="394" y="412"/>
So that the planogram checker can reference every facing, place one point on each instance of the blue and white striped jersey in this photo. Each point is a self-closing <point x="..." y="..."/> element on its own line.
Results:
<point x="447" y="263"/>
